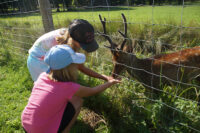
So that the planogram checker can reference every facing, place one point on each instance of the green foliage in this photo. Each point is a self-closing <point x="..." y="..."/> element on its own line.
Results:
<point x="14" y="90"/>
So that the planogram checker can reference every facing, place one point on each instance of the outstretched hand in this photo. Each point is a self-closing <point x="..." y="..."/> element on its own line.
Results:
<point x="114" y="81"/>
<point x="107" y="78"/>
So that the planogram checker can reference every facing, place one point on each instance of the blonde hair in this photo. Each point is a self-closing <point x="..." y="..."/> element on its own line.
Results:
<point x="64" y="38"/>
<point x="66" y="74"/>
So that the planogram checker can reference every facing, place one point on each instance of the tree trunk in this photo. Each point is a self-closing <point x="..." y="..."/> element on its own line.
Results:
<point x="45" y="10"/>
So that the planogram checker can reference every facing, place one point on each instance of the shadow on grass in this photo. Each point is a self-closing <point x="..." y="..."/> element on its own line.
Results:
<point x="20" y="15"/>
<point x="127" y="117"/>
<point x="78" y="9"/>
<point x="119" y="120"/>
<point x="81" y="127"/>
<point x="96" y="9"/>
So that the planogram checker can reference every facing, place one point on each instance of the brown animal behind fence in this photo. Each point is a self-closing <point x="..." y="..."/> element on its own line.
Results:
<point x="166" y="69"/>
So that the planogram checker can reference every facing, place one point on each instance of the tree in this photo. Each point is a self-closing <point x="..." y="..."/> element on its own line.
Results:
<point x="179" y="2"/>
<point x="158" y="2"/>
<point x="132" y="2"/>
<point x="170" y="2"/>
<point x="150" y="2"/>
<point x="67" y="3"/>
<point x="117" y="2"/>
<point x="3" y="7"/>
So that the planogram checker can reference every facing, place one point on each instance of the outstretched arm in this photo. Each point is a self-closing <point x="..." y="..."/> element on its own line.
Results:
<point x="87" y="91"/>
<point x="92" y="73"/>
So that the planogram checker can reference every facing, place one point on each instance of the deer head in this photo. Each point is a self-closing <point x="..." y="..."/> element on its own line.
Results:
<point x="119" y="51"/>
<point x="166" y="69"/>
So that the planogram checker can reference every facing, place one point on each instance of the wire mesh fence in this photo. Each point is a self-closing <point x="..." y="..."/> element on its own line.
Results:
<point x="154" y="28"/>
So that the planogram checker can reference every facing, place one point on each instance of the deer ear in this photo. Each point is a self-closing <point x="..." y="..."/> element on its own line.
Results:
<point x="116" y="54"/>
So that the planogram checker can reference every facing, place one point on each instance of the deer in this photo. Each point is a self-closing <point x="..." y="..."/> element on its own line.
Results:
<point x="163" y="69"/>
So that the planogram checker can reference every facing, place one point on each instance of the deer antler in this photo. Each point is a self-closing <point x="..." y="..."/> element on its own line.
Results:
<point x="125" y="31"/>
<point x="104" y="34"/>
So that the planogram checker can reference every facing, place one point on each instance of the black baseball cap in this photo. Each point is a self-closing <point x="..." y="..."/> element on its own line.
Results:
<point x="83" y="32"/>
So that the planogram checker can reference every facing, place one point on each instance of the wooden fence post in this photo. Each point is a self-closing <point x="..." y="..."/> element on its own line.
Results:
<point x="45" y="10"/>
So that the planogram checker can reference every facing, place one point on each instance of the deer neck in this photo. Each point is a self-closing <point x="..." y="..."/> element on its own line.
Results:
<point x="131" y="62"/>
<point x="134" y="64"/>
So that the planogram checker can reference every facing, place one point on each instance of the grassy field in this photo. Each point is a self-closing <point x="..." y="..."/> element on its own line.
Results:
<point x="122" y="108"/>
<point x="160" y="14"/>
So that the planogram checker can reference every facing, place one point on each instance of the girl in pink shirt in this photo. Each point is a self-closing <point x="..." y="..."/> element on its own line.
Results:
<point x="48" y="109"/>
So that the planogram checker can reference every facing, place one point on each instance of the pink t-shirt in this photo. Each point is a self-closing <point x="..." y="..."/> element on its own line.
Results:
<point x="46" y="105"/>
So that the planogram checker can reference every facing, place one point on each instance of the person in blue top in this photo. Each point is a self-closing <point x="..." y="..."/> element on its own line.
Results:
<point x="79" y="34"/>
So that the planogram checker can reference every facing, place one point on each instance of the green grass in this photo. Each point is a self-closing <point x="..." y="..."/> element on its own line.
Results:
<point x="166" y="18"/>
<point x="160" y="14"/>
<point x="14" y="91"/>
<point x="122" y="108"/>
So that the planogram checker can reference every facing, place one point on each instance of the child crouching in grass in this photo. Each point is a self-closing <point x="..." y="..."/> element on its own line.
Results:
<point x="48" y="109"/>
